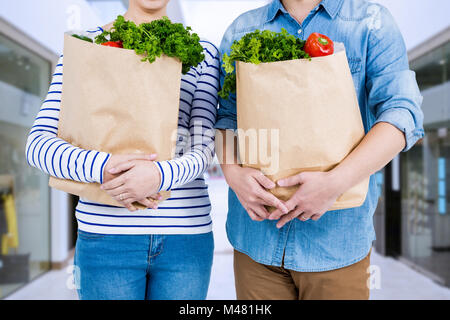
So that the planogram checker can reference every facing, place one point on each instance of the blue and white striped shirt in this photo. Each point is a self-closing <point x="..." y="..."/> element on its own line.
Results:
<point x="188" y="209"/>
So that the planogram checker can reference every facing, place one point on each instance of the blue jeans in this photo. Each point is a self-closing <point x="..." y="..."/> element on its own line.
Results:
<point x="143" y="267"/>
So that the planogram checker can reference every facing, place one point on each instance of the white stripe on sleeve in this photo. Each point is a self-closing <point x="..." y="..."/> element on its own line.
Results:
<point x="45" y="151"/>
<point x="199" y="149"/>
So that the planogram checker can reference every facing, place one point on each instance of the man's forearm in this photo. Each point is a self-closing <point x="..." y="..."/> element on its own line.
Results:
<point x="227" y="151"/>
<point x="381" y="144"/>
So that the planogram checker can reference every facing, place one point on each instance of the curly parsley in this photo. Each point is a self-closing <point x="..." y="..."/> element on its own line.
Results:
<point x="258" y="47"/>
<point x="155" y="38"/>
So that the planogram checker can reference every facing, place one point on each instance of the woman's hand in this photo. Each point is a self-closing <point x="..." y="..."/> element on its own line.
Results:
<point x="250" y="187"/>
<point x="140" y="180"/>
<point x="317" y="192"/>
<point x="117" y="159"/>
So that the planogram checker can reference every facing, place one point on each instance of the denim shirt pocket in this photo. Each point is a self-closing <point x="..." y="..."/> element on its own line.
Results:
<point x="355" y="65"/>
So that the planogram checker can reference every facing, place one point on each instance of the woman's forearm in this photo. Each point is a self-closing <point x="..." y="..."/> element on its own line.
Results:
<point x="52" y="155"/>
<point x="200" y="115"/>
<point x="381" y="144"/>
<point x="185" y="169"/>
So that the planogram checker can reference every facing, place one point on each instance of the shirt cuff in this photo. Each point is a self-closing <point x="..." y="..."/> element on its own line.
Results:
<point x="98" y="165"/>
<point x="167" y="172"/>
<point x="402" y="119"/>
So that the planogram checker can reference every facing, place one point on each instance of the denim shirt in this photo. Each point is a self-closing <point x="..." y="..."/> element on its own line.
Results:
<point x="387" y="92"/>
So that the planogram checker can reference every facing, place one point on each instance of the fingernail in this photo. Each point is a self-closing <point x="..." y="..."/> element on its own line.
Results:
<point x="280" y="183"/>
<point x="112" y="170"/>
<point x="159" y="197"/>
<point x="102" y="187"/>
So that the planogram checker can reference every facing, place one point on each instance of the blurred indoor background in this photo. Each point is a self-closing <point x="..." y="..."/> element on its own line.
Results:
<point x="412" y="250"/>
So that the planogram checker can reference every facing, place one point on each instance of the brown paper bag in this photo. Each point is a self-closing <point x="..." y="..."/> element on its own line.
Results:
<point x="313" y="107"/>
<point x="114" y="102"/>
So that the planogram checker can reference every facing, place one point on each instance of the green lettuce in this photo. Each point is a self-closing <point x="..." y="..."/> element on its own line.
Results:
<point x="260" y="47"/>
<point x="155" y="38"/>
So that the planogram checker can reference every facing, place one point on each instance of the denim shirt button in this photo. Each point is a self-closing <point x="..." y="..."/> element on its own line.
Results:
<point x="299" y="31"/>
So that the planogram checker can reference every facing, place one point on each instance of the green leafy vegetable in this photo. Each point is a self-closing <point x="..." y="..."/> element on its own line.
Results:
<point x="84" y="38"/>
<point x="258" y="47"/>
<point x="156" y="38"/>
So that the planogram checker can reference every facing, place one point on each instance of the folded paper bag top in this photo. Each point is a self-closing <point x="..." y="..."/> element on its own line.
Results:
<point x="113" y="102"/>
<point x="306" y="117"/>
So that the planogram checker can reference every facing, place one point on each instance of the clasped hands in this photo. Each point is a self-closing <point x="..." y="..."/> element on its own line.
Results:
<point x="135" y="178"/>
<point x="131" y="178"/>
<point x="316" y="193"/>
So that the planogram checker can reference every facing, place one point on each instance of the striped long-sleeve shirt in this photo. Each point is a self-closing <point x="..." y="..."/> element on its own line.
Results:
<point x="188" y="209"/>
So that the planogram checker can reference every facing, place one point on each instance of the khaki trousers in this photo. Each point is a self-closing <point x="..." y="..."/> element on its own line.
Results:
<point x="255" y="281"/>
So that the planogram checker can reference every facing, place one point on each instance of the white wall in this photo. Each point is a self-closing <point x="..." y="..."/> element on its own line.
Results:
<point x="419" y="19"/>
<point x="108" y="10"/>
<point x="46" y="20"/>
<point x="59" y="229"/>
<point x="211" y="18"/>
<point x="175" y="12"/>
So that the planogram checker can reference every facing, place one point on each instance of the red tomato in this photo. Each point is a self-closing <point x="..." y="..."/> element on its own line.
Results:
<point x="115" y="44"/>
<point x="319" y="45"/>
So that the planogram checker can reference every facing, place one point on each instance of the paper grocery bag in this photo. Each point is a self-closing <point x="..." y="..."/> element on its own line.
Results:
<point x="306" y="118"/>
<point x="114" y="102"/>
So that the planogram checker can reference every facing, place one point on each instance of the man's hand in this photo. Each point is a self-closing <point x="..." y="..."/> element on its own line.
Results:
<point x="140" y="180"/>
<point x="250" y="187"/>
<point x="317" y="192"/>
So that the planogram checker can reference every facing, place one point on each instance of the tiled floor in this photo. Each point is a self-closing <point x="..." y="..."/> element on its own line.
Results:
<point x="394" y="280"/>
